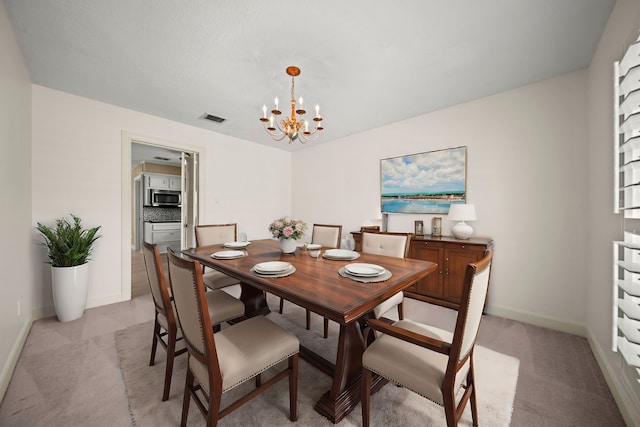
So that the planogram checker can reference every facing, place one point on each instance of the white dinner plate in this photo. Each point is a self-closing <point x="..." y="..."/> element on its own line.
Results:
<point x="340" y="254"/>
<point x="272" y="267"/>
<point x="236" y="244"/>
<point x="228" y="254"/>
<point x="364" y="270"/>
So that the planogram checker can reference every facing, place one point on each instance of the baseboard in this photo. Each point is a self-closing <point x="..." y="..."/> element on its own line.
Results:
<point x="538" y="320"/>
<point x="14" y="356"/>
<point x="620" y="387"/>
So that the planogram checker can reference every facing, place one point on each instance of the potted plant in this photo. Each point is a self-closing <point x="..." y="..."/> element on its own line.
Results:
<point x="287" y="230"/>
<point x="69" y="247"/>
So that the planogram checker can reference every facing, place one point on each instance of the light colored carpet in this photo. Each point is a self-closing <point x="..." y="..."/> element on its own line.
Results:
<point x="496" y="377"/>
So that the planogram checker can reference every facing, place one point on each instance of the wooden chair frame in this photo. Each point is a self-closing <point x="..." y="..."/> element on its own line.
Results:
<point x="453" y="350"/>
<point x="407" y="246"/>
<point x="205" y="227"/>
<point x="163" y="307"/>
<point x="211" y="410"/>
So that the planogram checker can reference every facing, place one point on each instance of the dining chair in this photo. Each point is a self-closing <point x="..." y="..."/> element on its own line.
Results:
<point x="328" y="236"/>
<point x="216" y="234"/>
<point x="389" y="244"/>
<point x="429" y="361"/>
<point x="219" y="362"/>
<point x="166" y="329"/>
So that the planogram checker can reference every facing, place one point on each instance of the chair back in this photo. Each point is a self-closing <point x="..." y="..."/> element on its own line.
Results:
<point x="215" y="234"/>
<point x="474" y="294"/>
<point x="188" y="291"/>
<point x="157" y="281"/>
<point x="326" y="235"/>
<point x="386" y="243"/>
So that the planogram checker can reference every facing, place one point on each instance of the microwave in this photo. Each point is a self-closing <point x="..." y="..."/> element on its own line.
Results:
<point x="164" y="198"/>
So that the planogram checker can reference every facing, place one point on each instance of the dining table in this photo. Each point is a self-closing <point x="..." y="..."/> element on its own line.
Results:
<point x="321" y="285"/>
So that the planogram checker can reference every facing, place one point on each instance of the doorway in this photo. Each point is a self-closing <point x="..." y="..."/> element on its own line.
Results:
<point x="187" y="161"/>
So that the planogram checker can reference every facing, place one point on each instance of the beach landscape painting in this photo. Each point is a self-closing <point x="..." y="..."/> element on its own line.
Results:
<point x="423" y="183"/>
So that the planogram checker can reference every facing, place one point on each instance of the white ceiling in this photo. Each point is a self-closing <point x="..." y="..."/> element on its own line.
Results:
<point x="366" y="62"/>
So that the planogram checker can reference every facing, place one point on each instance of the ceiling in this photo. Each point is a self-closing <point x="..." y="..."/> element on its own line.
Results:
<point x="366" y="63"/>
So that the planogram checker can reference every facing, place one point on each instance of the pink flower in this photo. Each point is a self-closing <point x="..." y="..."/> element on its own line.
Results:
<point x="287" y="231"/>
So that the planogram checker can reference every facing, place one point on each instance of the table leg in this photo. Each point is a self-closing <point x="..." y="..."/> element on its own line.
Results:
<point x="255" y="301"/>
<point x="344" y="394"/>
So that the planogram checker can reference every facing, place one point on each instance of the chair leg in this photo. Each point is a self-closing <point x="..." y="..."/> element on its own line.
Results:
<point x="471" y="382"/>
<point x="401" y="311"/>
<point x="281" y="305"/>
<point x="449" y="403"/>
<point x="188" y="385"/>
<point x="293" y="387"/>
<point x="308" y="320"/>
<point x="365" y="398"/>
<point x="258" y="380"/>
<point x="168" y="373"/>
<point x="326" y="327"/>
<point x="154" y="343"/>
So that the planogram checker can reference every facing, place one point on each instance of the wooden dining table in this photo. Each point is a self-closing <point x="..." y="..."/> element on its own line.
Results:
<point x="317" y="285"/>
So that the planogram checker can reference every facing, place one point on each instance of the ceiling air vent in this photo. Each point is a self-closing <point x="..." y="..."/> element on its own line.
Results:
<point x="207" y="116"/>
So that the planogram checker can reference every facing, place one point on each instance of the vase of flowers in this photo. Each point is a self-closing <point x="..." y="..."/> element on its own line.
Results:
<point x="287" y="230"/>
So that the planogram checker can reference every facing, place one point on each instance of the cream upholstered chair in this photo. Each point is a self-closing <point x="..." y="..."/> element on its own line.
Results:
<point x="216" y="234"/>
<point x="328" y="236"/>
<point x="165" y="329"/>
<point x="389" y="244"/>
<point x="220" y="362"/>
<point x="429" y="361"/>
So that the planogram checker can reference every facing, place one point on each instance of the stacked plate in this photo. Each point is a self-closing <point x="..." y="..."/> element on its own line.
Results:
<point x="236" y="245"/>
<point x="340" y="254"/>
<point x="359" y="269"/>
<point x="228" y="254"/>
<point x="273" y="268"/>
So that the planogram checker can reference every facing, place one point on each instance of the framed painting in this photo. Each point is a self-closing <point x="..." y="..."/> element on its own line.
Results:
<point x="424" y="183"/>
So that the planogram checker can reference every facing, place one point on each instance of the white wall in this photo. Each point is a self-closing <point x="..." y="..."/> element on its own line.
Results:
<point x="526" y="152"/>
<point x="604" y="226"/>
<point x="16" y="285"/>
<point x="76" y="164"/>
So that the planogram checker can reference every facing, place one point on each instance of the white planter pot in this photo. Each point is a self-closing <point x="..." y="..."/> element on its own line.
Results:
<point x="287" y="246"/>
<point x="70" y="286"/>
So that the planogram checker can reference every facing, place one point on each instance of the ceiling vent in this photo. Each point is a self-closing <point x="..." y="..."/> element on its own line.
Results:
<point x="166" y="159"/>
<point x="211" y="117"/>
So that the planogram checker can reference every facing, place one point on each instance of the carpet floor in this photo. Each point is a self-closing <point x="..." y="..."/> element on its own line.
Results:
<point x="496" y="377"/>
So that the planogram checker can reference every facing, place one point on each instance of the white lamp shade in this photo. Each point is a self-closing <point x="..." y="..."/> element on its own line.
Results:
<point x="462" y="212"/>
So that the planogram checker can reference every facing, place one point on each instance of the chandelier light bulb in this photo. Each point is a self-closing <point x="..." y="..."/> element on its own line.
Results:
<point x="300" y="101"/>
<point x="276" y="102"/>
<point x="264" y="111"/>
<point x="317" y="110"/>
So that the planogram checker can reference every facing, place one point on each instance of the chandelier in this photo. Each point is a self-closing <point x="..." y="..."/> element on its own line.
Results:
<point x="291" y="127"/>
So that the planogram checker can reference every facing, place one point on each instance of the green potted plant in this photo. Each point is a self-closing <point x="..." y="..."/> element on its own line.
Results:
<point x="69" y="248"/>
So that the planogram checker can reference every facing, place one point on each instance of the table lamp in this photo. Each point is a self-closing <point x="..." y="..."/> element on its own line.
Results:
<point x="462" y="213"/>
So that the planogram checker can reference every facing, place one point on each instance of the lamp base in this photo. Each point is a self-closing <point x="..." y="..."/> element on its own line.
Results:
<point x="462" y="231"/>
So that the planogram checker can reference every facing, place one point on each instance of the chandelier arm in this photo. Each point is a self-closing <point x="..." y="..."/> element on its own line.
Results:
<point x="275" y="136"/>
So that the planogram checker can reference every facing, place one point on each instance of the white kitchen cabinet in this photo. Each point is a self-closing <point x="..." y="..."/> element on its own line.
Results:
<point x="158" y="181"/>
<point x="163" y="234"/>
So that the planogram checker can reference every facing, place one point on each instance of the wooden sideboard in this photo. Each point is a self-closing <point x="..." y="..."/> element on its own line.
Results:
<point x="444" y="286"/>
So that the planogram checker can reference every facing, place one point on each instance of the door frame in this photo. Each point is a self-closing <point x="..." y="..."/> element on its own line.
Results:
<point x="127" y="139"/>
